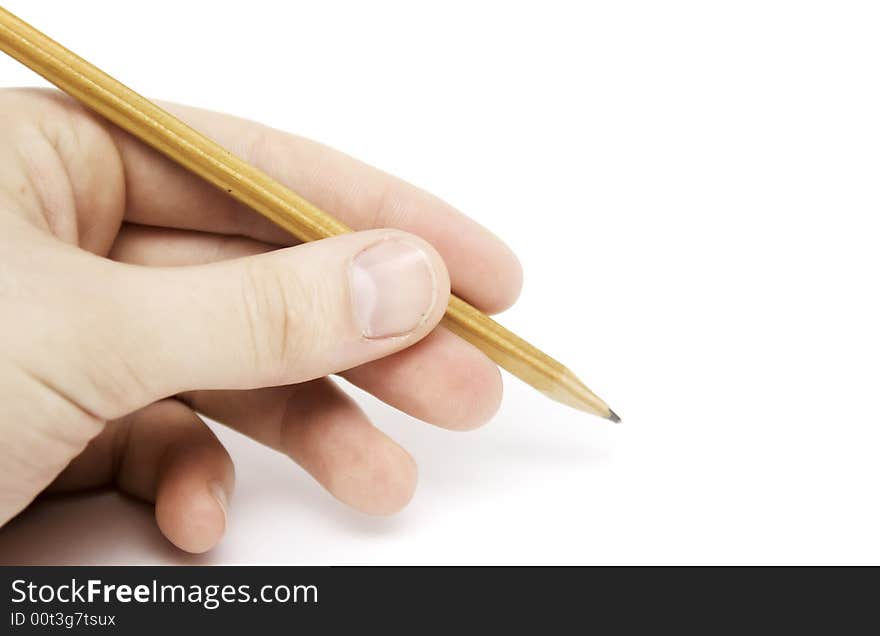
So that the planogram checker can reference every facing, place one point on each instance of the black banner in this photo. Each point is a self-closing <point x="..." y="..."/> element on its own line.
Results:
<point x="133" y="600"/>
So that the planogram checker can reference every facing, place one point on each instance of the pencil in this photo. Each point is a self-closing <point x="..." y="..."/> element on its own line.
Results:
<point x="210" y="161"/>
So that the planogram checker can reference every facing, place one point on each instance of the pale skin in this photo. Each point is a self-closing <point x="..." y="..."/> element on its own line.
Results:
<point x="136" y="299"/>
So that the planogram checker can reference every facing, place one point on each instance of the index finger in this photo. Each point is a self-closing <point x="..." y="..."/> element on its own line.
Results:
<point x="483" y="269"/>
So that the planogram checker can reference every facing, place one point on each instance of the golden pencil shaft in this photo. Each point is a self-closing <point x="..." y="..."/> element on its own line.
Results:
<point x="286" y="208"/>
<point x="164" y="132"/>
<point x="503" y="346"/>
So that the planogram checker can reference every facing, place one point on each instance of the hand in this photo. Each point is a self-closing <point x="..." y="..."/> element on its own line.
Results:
<point x="134" y="296"/>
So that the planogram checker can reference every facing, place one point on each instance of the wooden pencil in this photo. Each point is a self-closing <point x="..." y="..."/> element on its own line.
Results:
<point x="210" y="161"/>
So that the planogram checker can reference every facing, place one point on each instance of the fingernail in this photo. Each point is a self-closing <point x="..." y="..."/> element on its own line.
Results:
<point x="219" y="494"/>
<point x="392" y="288"/>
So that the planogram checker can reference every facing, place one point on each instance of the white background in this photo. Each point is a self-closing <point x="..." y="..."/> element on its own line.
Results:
<point x="705" y="178"/>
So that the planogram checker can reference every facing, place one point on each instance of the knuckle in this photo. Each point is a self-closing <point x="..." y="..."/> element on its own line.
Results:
<point x="388" y="207"/>
<point x="267" y="149"/>
<point x="275" y="333"/>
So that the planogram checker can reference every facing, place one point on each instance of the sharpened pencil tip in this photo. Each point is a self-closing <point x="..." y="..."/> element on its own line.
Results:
<point x="614" y="417"/>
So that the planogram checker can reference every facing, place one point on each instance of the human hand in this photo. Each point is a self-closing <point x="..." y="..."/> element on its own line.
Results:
<point x="133" y="295"/>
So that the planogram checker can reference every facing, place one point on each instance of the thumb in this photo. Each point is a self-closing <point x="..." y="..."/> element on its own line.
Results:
<point x="278" y="318"/>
